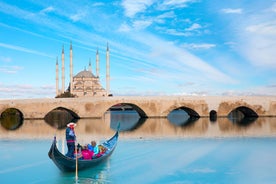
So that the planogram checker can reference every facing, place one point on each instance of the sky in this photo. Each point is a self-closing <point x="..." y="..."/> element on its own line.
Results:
<point x="157" y="47"/>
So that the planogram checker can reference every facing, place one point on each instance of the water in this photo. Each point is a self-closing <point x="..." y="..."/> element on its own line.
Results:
<point x="155" y="151"/>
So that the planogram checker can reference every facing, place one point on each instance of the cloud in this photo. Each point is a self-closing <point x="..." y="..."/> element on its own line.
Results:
<point x="171" y="58"/>
<point x="267" y="28"/>
<point x="193" y="27"/>
<point x="25" y="91"/>
<point x="10" y="69"/>
<point x="124" y="28"/>
<point x="23" y="49"/>
<point x="177" y="33"/>
<point x="15" y="11"/>
<point x="133" y="7"/>
<point x="141" y="24"/>
<point x="47" y="10"/>
<point x="98" y="4"/>
<point x="165" y="15"/>
<point x="232" y="11"/>
<point x="78" y="16"/>
<point x="5" y="59"/>
<point x="258" y="44"/>
<point x="174" y="4"/>
<point x="198" y="46"/>
<point x="273" y="8"/>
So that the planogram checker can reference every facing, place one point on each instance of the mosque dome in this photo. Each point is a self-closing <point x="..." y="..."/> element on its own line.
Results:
<point x="84" y="74"/>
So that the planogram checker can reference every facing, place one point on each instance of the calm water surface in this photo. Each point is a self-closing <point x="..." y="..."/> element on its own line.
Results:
<point x="155" y="151"/>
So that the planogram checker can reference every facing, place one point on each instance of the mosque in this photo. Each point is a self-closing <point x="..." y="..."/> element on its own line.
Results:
<point x="84" y="83"/>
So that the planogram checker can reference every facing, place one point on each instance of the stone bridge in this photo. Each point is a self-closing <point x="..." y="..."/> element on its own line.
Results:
<point x="146" y="106"/>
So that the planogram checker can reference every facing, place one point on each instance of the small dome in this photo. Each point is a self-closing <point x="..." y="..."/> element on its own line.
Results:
<point x="84" y="74"/>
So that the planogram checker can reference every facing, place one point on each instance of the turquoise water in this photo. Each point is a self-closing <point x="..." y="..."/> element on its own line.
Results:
<point x="162" y="160"/>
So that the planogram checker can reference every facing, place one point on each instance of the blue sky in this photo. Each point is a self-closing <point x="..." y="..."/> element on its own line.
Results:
<point x="170" y="47"/>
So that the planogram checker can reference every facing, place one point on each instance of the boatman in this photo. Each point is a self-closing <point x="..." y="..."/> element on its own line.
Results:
<point x="70" y="138"/>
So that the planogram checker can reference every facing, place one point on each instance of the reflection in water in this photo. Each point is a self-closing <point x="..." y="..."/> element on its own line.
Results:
<point x="129" y="119"/>
<point x="60" y="117"/>
<point x="97" y="174"/>
<point x="242" y="116"/>
<point x="181" y="118"/>
<point x="213" y="116"/>
<point x="11" y="119"/>
<point x="100" y="129"/>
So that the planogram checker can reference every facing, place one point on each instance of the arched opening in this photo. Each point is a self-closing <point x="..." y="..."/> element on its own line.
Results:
<point x="213" y="116"/>
<point x="60" y="117"/>
<point x="11" y="119"/>
<point x="129" y="115"/>
<point x="183" y="116"/>
<point x="242" y="115"/>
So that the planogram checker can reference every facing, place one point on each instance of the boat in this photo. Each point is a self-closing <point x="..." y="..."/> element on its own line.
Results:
<point x="68" y="164"/>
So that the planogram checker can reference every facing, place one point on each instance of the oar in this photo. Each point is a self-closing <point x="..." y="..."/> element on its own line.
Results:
<point x="76" y="151"/>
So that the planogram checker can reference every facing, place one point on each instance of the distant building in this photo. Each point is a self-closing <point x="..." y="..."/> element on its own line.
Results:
<point x="85" y="83"/>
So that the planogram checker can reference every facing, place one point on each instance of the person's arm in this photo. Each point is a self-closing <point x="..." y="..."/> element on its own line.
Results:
<point x="96" y="149"/>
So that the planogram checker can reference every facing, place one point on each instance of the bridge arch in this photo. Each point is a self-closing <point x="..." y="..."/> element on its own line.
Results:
<point x="131" y="116"/>
<point x="244" y="111"/>
<point x="242" y="115"/>
<point x="11" y="118"/>
<point x="188" y="110"/>
<point x="131" y="106"/>
<point x="183" y="116"/>
<point x="59" y="117"/>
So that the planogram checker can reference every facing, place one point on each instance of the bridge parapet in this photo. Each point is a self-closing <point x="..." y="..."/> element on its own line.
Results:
<point x="146" y="106"/>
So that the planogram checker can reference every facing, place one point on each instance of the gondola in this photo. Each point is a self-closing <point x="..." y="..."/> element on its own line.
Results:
<point x="67" y="164"/>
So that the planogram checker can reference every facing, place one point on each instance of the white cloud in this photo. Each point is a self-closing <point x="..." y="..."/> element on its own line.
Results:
<point x="174" y="4"/>
<point x="173" y="58"/>
<point x="199" y="46"/>
<point x="258" y="44"/>
<point x="124" y="28"/>
<point x="177" y="33"/>
<point x="273" y="8"/>
<point x="260" y="51"/>
<point x="78" y="16"/>
<point x="141" y="24"/>
<point x="25" y="91"/>
<point x="23" y="49"/>
<point x="98" y="4"/>
<point x="267" y="28"/>
<point x="193" y="27"/>
<point x="5" y="59"/>
<point x="47" y="10"/>
<point x="10" y="69"/>
<point x="232" y="11"/>
<point x="133" y="7"/>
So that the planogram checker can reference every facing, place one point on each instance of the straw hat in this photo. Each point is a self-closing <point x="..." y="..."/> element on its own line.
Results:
<point x="71" y="124"/>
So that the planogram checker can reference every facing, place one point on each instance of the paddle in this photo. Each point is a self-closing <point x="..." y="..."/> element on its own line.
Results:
<point x="76" y="152"/>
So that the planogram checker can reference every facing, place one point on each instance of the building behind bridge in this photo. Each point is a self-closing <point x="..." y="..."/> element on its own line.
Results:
<point x="84" y="83"/>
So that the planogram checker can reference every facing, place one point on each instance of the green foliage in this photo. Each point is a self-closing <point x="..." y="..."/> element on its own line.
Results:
<point x="66" y="94"/>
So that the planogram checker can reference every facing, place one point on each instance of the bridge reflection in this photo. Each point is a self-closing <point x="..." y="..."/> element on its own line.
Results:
<point x="88" y="129"/>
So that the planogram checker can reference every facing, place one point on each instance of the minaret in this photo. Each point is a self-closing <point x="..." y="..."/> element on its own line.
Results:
<point x="97" y="63"/>
<point x="107" y="71"/>
<point x="71" y="68"/>
<point x="90" y="67"/>
<point x="62" y="70"/>
<point x="57" y="77"/>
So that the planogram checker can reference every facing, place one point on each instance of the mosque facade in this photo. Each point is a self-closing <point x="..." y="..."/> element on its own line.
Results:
<point x="84" y="83"/>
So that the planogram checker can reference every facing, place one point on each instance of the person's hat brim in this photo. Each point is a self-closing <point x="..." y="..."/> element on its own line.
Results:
<point x="71" y="124"/>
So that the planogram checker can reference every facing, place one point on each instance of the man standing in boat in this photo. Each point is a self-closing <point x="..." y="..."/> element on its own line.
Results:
<point x="70" y="138"/>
